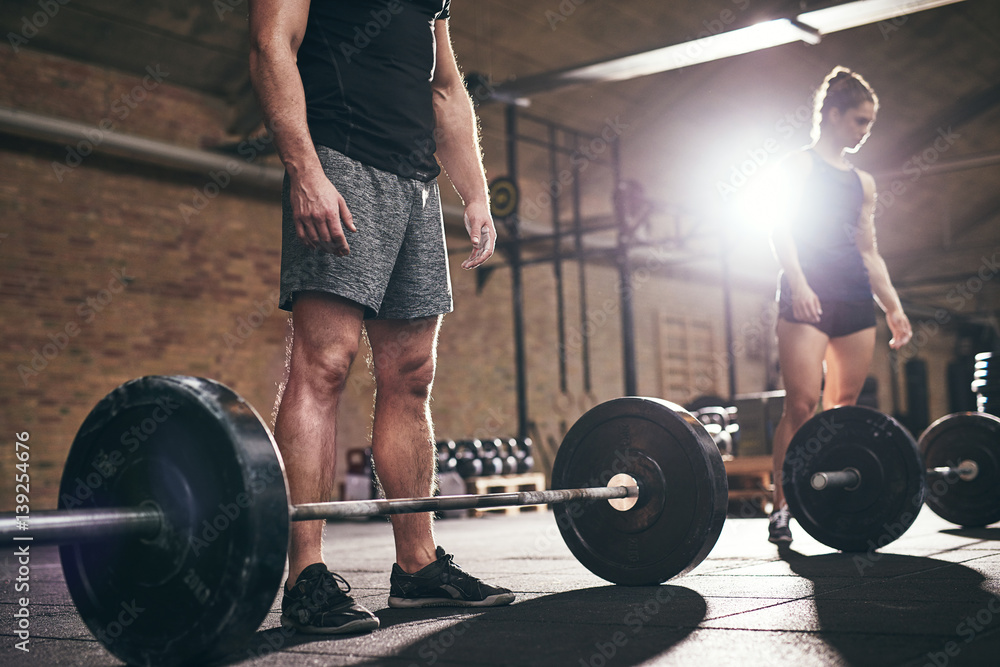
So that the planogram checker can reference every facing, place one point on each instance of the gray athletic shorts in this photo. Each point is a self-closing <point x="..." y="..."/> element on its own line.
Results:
<point x="398" y="264"/>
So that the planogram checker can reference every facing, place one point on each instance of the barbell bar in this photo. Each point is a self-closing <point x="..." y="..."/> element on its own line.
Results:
<point x="849" y="479"/>
<point x="73" y="526"/>
<point x="379" y="507"/>
<point x="174" y="514"/>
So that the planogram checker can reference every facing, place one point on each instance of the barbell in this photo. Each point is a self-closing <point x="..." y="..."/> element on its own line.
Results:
<point x="855" y="479"/>
<point x="173" y="516"/>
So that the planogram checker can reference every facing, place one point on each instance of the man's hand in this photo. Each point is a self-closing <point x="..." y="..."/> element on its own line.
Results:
<point x="899" y="325"/>
<point x="805" y="304"/>
<point x="321" y="214"/>
<point x="482" y="233"/>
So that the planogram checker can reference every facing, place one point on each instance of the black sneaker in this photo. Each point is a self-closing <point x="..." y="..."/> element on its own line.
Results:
<point x="318" y="604"/>
<point x="777" y="527"/>
<point x="443" y="584"/>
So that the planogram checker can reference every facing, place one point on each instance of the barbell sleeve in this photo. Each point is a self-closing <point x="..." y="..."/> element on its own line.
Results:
<point x="966" y="470"/>
<point x="848" y="478"/>
<point x="43" y="527"/>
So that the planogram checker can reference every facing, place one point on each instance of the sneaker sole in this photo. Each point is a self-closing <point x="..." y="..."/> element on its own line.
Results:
<point x="354" y="627"/>
<point x="415" y="603"/>
<point x="780" y="540"/>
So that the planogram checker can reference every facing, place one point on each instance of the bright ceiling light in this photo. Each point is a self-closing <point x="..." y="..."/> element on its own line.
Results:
<point x="863" y="12"/>
<point x="714" y="47"/>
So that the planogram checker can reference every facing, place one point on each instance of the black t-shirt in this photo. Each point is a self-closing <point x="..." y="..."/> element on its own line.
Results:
<point x="366" y="67"/>
<point x="825" y="229"/>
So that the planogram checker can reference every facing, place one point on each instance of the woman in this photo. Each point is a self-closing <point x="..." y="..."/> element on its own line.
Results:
<point x="830" y="269"/>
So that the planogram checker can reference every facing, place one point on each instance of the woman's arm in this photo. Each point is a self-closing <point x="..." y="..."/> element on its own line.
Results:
<point x="885" y="294"/>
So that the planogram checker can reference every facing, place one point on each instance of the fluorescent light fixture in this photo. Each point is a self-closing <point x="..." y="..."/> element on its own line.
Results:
<point x="863" y="12"/>
<point x="714" y="47"/>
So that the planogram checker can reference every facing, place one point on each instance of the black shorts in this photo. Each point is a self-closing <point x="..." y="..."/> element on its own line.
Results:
<point x="839" y="318"/>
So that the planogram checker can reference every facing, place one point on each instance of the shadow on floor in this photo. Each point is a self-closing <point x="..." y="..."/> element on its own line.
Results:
<point x="862" y="600"/>
<point x="992" y="533"/>
<point x="617" y="625"/>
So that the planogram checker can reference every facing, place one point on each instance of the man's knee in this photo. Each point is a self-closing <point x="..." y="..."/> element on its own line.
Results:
<point x="412" y="377"/>
<point x="326" y="369"/>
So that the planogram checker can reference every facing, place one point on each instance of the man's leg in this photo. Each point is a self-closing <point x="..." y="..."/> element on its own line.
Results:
<point x="326" y="331"/>
<point x="404" y="356"/>
<point x="424" y="575"/>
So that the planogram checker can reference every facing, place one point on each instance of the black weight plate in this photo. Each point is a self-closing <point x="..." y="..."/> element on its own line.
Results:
<point x="892" y="478"/>
<point x="951" y="440"/>
<point x="683" y="491"/>
<point x="201" y="588"/>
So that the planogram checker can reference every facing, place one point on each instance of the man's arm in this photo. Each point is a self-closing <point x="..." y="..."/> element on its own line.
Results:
<point x="276" y="31"/>
<point x="457" y="137"/>
<point x="878" y="274"/>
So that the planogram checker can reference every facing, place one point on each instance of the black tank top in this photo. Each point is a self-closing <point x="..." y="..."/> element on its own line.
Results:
<point x="366" y="67"/>
<point x="825" y="228"/>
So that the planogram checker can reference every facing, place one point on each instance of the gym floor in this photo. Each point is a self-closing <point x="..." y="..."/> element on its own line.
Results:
<point x="926" y="599"/>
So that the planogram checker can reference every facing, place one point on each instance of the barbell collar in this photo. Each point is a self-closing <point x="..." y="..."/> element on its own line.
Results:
<point x="83" y="525"/>
<point x="848" y="479"/>
<point x="380" y="507"/>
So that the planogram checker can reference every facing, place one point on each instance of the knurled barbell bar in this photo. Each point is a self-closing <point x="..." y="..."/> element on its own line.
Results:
<point x="855" y="479"/>
<point x="174" y="517"/>
<point x="73" y="526"/>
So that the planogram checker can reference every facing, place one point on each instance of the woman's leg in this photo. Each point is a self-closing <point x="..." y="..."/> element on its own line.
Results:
<point x="848" y="359"/>
<point x="801" y="348"/>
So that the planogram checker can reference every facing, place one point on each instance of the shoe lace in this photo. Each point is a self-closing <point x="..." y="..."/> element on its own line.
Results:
<point x="330" y="584"/>
<point x="452" y="571"/>
<point x="450" y="567"/>
<point x="780" y="519"/>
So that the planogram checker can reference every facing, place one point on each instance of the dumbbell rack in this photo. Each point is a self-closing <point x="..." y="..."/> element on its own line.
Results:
<point x="530" y="481"/>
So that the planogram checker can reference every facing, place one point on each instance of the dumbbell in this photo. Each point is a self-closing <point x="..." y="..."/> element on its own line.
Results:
<point x="525" y="459"/>
<point x="446" y="456"/>
<point x="467" y="457"/>
<point x="490" y="456"/>
<point x="507" y="456"/>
